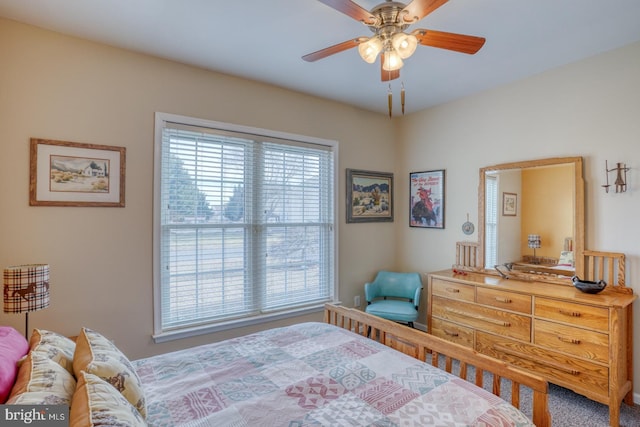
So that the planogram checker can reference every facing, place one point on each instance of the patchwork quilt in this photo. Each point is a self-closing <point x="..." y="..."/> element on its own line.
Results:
<point x="311" y="374"/>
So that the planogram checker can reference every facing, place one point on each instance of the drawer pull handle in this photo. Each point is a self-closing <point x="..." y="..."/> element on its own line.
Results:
<point x="538" y="361"/>
<point x="453" y="290"/>
<point x="503" y="299"/>
<point x="569" y="340"/>
<point x="451" y="334"/>
<point x="478" y="317"/>
<point x="570" y="313"/>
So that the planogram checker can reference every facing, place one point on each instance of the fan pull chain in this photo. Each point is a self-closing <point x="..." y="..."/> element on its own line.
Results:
<point x="390" y="99"/>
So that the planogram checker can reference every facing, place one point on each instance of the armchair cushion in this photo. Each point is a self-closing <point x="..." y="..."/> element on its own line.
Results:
<point x="399" y="311"/>
<point x="394" y="296"/>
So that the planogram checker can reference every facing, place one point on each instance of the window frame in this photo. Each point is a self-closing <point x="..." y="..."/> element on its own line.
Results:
<point x="491" y="238"/>
<point x="161" y="335"/>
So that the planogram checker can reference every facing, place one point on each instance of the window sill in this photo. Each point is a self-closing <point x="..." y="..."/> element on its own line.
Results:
<point x="232" y="324"/>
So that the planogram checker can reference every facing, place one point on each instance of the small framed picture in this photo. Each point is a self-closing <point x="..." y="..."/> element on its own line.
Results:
<point x="369" y="196"/>
<point x="426" y="199"/>
<point x="509" y="204"/>
<point x="73" y="174"/>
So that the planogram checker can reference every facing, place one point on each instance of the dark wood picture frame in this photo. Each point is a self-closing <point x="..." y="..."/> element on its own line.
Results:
<point x="369" y="196"/>
<point x="427" y="199"/>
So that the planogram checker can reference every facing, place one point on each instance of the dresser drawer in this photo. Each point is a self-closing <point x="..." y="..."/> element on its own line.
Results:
<point x="577" y="374"/>
<point x="484" y="318"/>
<point x="453" y="290"/>
<point x="503" y="299"/>
<point x="589" y="345"/>
<point x="452" y="332"/>
<point x="576" y="314"/>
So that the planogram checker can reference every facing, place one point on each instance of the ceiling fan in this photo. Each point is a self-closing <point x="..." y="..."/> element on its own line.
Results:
<point x="388" y="21"/>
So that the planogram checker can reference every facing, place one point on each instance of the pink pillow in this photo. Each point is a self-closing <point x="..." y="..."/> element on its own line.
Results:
<point x="12" y="347"/>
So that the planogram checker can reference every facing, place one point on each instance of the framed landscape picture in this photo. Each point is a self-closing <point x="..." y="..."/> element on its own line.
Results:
<point x="426" y="199"/>
<point x="369" y="196"/>
<point x="73" y="174"/>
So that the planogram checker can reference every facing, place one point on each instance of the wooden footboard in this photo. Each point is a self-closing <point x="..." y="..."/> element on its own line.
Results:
<point x="421" y="345"/>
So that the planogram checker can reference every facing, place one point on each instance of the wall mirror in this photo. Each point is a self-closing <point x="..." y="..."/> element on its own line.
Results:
<point x="531" y="216"/>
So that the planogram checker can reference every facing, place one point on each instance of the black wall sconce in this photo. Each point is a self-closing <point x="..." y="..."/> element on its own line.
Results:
<point x="621" y="177"/>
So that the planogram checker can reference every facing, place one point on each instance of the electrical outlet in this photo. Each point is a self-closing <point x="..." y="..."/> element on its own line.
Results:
<point x="356" y="301"/>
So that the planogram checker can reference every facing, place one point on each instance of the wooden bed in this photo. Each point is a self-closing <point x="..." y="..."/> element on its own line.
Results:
<point x="310" y="373"/>
<point x="431" y="349"/>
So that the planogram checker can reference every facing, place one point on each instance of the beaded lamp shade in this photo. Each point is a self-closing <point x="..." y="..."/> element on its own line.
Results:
<point x="26" y="288"/>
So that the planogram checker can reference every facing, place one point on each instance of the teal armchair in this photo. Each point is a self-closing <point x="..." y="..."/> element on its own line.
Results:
<point x="394" y="296"/>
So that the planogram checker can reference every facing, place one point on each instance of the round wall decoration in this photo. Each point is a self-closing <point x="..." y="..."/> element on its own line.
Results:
<point x="468" y="227"/>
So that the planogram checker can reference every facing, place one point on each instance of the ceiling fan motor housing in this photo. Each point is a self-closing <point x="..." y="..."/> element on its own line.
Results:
<point x="388" y="21"/>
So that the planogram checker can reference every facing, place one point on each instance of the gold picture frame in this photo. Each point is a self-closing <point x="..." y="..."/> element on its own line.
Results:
<point x="66" y="173"/>
<point x="509" y="204"/>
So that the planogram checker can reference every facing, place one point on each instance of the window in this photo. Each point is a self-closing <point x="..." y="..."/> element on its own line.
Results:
<point x="491" y="222"/>
<point x="244" y="225"/>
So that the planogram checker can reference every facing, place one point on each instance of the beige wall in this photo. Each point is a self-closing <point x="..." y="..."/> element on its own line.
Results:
<point x="63" y="88"/>
<point x="589" y="109"/>
<point x="509" y="227"/>
<point x="57" y="87"/>
<point x="547" y="208"/>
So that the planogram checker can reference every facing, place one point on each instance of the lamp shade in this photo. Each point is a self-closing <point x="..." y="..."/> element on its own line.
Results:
<point x="392" y="61"/>
<point x="534" y="241"/>
<point x="26" y="288"/>
<point x="370" y="49"/>
<point x="404" y="44"/>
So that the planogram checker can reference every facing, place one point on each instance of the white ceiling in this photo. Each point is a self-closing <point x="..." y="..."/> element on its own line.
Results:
<point x="264" y="40"/>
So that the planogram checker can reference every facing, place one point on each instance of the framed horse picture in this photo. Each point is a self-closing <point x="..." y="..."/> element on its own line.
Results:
<point x="426" y="199"/>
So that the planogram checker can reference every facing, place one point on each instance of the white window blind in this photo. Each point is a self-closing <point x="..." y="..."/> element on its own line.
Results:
<point x="491" y="221"/>
<point x="246" y="224"/>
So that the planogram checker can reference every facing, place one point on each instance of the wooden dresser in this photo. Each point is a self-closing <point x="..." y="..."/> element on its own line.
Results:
<point x="579" y="341"/>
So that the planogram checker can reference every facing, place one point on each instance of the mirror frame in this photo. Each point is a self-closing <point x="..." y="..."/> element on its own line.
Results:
<point x="578" y="225"/>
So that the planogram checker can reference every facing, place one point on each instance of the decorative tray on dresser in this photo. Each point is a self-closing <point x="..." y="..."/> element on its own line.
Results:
<point x="573" y="339"/>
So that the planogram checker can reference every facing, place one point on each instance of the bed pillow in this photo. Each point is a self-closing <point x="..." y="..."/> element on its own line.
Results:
<point x="98" y="403"/>
<point x="55" y="346"/>
<point x="13" y="347"/>
<point x="42" y="381"/>
<point x="96" y="355"/>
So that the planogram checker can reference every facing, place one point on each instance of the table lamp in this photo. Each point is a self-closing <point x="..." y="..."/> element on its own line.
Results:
<point x="534" y="243"/>
<point x="26" y="289"/>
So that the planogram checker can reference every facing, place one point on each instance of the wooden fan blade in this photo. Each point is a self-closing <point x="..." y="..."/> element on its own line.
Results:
<point x="351" y="9"/>
<point x="449" y="41"/>
<point x="385" y="75"/>
<point x="336" y="48"/>
<point x="418" y="9"/>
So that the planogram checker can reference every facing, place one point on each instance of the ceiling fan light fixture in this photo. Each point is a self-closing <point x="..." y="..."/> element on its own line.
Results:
<point x="404" y="44"/>
<point x="392" y="61"/>
<point x="370" y="49"/>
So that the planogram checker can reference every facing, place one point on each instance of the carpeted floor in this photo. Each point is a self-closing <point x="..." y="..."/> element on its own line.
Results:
<point x="569" y="409"/>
